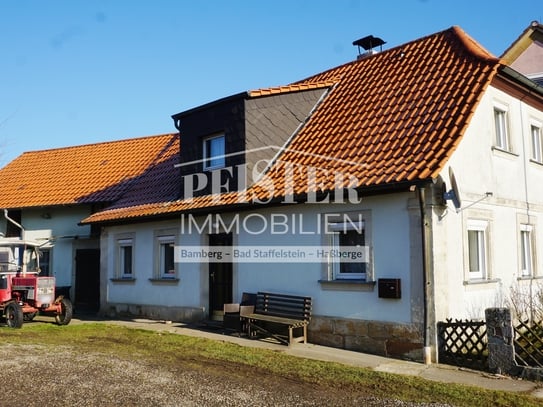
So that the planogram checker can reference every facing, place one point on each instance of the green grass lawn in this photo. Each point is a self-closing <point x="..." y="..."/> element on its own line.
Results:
<point x="172" y="349"/>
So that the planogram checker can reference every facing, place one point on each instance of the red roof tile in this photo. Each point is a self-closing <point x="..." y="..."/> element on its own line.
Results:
<point x="397" y="116"/>
<point x="292" y="88"/>
<point x="91" y="173"/>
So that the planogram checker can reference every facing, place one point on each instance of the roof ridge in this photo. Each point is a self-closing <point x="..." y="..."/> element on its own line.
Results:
<point x="473" y="46"/>
<point x="98" y="143"/>
<point x="293" y="87"/>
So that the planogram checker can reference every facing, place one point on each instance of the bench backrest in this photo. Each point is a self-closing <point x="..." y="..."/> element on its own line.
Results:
<point x="283" y="305"/>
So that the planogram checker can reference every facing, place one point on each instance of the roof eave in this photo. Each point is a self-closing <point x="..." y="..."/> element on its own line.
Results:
<point x="521" y="79"/>
<point x="241" y="95"/>
<point x="364" y="191"/>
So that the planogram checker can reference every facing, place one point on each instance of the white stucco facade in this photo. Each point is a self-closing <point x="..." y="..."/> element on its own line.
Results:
<point x="514" y="180"/>
<point x="389" y="243"/>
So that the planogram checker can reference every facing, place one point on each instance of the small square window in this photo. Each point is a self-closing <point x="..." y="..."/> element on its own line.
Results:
<point x="214" y="152"/>
<point x="477" y="250"/>
<point x="537" y="145"/>
<point x="501" y="128"/>
<point x="166" y="263"/>
<point x="348" y="236"/>
<point x="125" y="258"/>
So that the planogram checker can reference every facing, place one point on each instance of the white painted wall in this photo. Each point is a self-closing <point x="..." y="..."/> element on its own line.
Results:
<point x="390" y="244"/>
<point x="515" y="182"/>
<point x="58" y="226"/>
<point x="187" y="292"/>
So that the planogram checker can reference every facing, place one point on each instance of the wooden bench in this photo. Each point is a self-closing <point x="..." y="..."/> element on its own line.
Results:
<point x="275" y="312"/>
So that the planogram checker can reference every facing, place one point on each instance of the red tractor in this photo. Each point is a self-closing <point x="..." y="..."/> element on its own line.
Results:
<point x="23" y="293"/>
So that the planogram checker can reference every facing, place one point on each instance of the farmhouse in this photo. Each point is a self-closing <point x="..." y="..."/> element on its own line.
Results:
<point x="429" y="144"/>
<point x="396" y="191"/>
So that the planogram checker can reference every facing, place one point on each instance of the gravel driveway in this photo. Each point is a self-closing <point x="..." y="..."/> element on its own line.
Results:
<point x="35" y="376"/>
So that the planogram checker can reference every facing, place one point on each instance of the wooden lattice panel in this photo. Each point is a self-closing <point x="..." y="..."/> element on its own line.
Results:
<point x="463" y="343"/>
<point x="529" y="344"/>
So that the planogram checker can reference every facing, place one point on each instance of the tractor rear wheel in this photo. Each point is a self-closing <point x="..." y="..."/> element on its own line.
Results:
<point x="66" y="312"/>
<point x="14" y="315"/>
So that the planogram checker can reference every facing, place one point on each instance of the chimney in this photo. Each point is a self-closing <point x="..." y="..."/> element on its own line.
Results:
<point x="368" y="43"/>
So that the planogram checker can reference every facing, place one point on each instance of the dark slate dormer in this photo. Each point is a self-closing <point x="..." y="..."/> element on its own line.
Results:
<point x="253" y="127"/>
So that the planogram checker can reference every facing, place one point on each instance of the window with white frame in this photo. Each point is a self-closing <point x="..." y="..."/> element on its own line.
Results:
<point x="348" y="237"/>
<point x="501" y="129"/>
<point x="537" y="145"/>
<point x="477" y="249"/>
<point x="165" y="247"/>
<point x="526" y="251"/>
<point x="125" y="258"/>
<point x="214" y="152"/>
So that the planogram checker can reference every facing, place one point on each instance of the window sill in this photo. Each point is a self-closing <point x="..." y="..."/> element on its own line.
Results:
<point x="503" y="153"/>
<point x="347" y="284"/>
<point x="528" y="278"/>
<point x="164" y="281"/>
<point x="122" y="280"/>
<point x="536" y="162"/>
<point x="482" y="281"/>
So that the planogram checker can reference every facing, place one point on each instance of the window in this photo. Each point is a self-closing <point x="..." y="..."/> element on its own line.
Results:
<point x="125" y="259"/>
<point x="477" y="249"/>
<point x="537" y="145"/>
<point x="45" y="262"/>
<point x="526" y="252"/>
<point x="166" y="264"/>
<point x="500" y="122"/>
<point x="348" y="237"/>
<point x="214" y="150"/>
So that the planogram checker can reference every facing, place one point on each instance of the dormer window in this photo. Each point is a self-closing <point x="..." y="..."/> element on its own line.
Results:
<point x="214" y="150"/>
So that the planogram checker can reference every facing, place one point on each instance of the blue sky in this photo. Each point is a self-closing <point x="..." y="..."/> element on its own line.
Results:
<point x="76" y="72"/>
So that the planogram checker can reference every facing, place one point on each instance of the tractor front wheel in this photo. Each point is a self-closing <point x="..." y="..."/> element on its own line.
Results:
<point x="14" y="315"/>
<point x="66" y="312"/>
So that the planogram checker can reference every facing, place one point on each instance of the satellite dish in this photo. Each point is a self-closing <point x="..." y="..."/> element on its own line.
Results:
<point x="454" y="193"/>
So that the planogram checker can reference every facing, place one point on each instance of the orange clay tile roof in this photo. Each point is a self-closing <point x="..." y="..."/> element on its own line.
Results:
<point x="93" y="173"/>
<point x="394" y="117"/>
<point x="295" y="87"/>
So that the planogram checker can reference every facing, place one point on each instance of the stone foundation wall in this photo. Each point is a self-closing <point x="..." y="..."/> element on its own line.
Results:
<point x="402" y="341"/>
<point x="180" y="314"/>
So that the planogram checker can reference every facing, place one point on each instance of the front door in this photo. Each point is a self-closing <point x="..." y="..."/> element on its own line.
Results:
<point x="87" y="280"/>
<point x="220" y="278"/>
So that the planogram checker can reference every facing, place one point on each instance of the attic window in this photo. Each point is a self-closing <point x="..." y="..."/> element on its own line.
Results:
<point x="214" y="150"/>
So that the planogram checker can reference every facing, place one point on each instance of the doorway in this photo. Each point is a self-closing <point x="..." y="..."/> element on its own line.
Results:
<point x="87" y="280"/>
<point x="220" y="278"/>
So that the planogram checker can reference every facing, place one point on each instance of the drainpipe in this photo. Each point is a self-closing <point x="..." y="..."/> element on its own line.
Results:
<point x="6" y="215"/>
<point x="426" y="267"/>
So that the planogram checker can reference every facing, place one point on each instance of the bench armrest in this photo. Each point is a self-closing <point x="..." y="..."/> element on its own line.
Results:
<point x="245" y="310"/>
<point x="231" y="308"/>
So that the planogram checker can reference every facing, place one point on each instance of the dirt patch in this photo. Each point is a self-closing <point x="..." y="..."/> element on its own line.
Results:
<point x="41" y="376"/>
